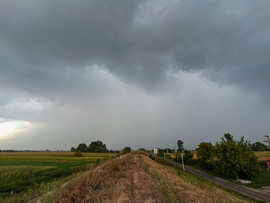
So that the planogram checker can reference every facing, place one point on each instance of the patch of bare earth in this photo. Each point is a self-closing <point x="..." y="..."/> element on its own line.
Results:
<point x="137" y="186"/>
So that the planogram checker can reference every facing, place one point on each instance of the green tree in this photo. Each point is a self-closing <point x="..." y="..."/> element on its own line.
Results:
<point x="97" y="147"/>
<point x="73" y="149"/>
<point x="178" y="157"/>
<point x="160" y="152"/>
<point x="141" y="149"/>
<point x="188" y="155"/>
<point x="235" y="158"/>
<point x="180" y="145"/>
<point x="258" y="146"/>
<point x="126" y="150"/>
<point x="205" y="152"/>
<point x="81" y="148"/>
<point x="167" y="149"/>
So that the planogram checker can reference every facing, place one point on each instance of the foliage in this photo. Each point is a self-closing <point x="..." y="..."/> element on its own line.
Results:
<point x="97" y="146"/>
<point x="235" y="159"/>
<point x="73" y="149"/>
<point x="180" y="145"/>
<point x="82" y="147"/>
<point x="167" y="150"/>
<point x="126" y="150"/>
<point x="78" y="154"/>
<point x="188" y="155"/>
<point x="142" y="149"/>
<point x="160" y="152"/>
<point x="178" y="157"/>
<point x="205" y="152"/>
<point x="258" y="146"/>
<point x="192" y="162"/>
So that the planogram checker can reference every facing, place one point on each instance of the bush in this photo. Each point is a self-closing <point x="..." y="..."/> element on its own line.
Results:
<point x="262" y="164"/>
<point x="178" y="157"/>
<point x="126" y="150"/>
<point x="188" y="155"/>
<point x="160" y="152"/>
<point x="207" y="166"/>
<point x="192" y="162"/>
<point x="78" y="154"/>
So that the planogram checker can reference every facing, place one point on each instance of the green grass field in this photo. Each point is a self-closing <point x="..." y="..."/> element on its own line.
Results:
<point x="20" y="171"/>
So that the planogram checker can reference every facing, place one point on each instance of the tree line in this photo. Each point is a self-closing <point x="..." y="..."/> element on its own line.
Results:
<point x="96" y="147"/>
<point x="231" y="158"/>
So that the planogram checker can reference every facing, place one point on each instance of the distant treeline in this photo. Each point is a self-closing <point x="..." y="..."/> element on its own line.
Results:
<point x="96" y="147"/>
<point x="12" y="150"/>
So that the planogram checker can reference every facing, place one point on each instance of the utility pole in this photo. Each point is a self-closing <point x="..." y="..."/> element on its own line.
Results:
<point x="267" y="137"/>
<point x="183" y="162"/>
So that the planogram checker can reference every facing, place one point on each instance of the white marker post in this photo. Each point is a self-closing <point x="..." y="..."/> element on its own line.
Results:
<point x="183" y="162"/>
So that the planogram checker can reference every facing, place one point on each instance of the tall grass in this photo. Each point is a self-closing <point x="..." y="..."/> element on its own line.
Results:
<point x="98" y="185"/>
<point x="167" y="188"/>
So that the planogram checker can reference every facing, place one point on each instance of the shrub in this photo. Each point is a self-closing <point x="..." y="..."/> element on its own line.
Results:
<point x="188" y="155"/>
<point x="160" y="152"/>
<point x="78" y="154"/>
<point x="126" y="150"/>
<point x="178" y="157"/>
<point x="192" y="162"/>
<point x="207" y="166"/>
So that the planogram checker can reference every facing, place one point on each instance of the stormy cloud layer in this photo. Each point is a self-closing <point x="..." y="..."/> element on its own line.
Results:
<point x="133" y="70"/>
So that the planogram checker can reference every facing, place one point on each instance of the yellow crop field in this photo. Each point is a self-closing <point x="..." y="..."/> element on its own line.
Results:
<point x="53" y="156"/>
<point x="262" y="155"/>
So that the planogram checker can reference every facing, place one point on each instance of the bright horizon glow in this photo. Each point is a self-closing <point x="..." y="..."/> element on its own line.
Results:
<point x="9" y="127"/>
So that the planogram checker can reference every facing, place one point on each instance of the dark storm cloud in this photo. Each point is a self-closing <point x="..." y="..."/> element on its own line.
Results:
<point x="141" y="42"/>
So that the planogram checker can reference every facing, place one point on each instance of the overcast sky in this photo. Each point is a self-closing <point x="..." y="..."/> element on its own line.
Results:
<point x="133" y="73"/>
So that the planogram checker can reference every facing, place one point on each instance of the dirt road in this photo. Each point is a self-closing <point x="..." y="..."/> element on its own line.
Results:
<point x="239" y="188"/>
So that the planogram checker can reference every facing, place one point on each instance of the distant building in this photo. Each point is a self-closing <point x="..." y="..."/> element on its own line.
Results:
<point x="156" y="151"/>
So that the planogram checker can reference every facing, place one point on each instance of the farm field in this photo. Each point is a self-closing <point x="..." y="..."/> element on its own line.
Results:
<point x="262" y="155"/>
<point x="53" y="156"/>
<point x="131" y="178"/>
<point x="20" y="171"/>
